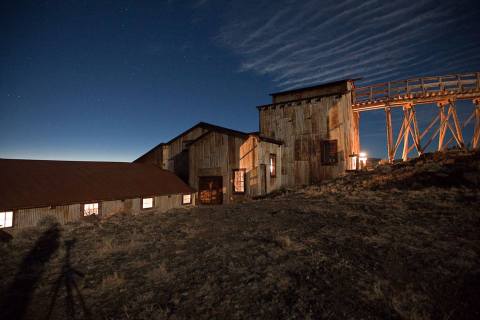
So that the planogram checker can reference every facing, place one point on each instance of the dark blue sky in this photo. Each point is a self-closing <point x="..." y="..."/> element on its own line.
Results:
<point x="107" y="80"/>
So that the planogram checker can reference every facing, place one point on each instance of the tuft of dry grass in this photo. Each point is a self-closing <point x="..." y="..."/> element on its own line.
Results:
<point x="112" y="281"/>
<point x="287" y="243"/>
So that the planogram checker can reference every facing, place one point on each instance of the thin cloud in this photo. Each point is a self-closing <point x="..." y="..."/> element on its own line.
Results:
<point x="299" y="44"/>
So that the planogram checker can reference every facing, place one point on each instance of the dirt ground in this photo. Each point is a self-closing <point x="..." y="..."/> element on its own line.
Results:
<point x="321" y="252"/>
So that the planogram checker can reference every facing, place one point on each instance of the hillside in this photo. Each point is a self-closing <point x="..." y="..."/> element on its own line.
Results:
<point x="399" y="242"/>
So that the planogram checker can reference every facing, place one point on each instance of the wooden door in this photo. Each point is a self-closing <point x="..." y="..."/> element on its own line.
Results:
<point x="210" y="190"/>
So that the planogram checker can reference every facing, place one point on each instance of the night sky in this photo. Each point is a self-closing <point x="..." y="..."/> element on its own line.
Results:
<point x="108" y="80"/>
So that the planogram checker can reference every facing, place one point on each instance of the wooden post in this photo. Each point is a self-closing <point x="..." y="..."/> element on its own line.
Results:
<point x="406" y="114"/>
<point x="390" y="147"/>
<point x="458" y="128"/>
<point x="416" y="131"/>
<point x="441" y="135"/>
<point x="476" y="132"/>
<point x="356" y="133"/>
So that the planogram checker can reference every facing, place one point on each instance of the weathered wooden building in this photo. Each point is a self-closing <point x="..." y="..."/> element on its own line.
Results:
<point x="72" y="190"/>
<point x="223" y="165"/>
<point x="318" y="129"/>
<point x="306" y="135"/>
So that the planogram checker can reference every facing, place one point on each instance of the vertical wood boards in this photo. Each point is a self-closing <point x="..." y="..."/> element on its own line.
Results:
<point x="302" y="125"/>
<point x="215" y="154"/>
<point x="70" y="213"/>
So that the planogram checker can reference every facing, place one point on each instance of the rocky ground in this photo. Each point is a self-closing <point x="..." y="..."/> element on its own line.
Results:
<point x="399" y="242"/>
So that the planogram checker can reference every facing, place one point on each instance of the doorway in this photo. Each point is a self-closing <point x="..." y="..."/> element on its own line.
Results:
<point x="210" y="190"/>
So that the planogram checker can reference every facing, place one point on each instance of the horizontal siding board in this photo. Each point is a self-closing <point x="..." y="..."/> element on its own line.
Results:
<point x="71" y="213"/>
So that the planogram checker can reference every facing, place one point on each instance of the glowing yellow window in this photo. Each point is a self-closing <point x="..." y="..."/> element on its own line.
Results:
<point x="187" y="199"/>
<point x="239" y="181"/>
<point x="6" y="219"/>
<point x="147" y="203"/>
<point x="90" y="209"/>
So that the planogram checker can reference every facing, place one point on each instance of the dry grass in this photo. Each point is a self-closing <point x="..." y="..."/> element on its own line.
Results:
<point x="113" y="281"/>
<point x="159" y="274"/>
<point x="306" y="254"/>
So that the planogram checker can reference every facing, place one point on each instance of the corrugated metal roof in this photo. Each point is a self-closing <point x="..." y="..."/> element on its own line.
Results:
<point x="38" y="183"/>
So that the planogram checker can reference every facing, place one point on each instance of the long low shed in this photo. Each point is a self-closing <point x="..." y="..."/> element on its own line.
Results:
<point x="72" y="190"/>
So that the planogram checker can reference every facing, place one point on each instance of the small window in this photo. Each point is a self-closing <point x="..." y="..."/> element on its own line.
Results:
<point x="329" y="152"/>
<point x="147" y="203"/>
<point x="273" y="165"/>
<point x="6" y="219"/>
<point x="239" y="181"/>
<point x="90" y="209"/>
<point x="187" y="199"/>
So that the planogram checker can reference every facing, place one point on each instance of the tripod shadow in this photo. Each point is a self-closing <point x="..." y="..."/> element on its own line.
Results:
<point x="67" y="279"/>
<point x="19" y="294"/>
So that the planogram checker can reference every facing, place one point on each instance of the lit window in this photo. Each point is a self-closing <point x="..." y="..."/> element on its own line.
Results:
<point x="239" y="181"/>
<point x="329" y="152"/>
<point x="90" y="209"/>
<point x="147" y="203"/>
<point x="187" y="199"/>
<point x="273" y="165"/>
<point x="6" y="219"/>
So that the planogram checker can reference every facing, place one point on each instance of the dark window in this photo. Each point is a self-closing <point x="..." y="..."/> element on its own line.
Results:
<point x="239" y="180"/>
<point x="273" y="165"/>
<point x="329" y="152"/>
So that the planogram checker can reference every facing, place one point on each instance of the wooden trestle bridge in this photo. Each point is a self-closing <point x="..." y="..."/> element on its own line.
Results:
<point x="442" y="91"/>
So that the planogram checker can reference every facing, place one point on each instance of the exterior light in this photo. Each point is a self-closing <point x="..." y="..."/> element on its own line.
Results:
<point x="362" y="157"/>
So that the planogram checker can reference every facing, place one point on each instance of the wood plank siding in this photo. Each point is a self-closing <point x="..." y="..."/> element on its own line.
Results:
<point x="215" y="154"/>
<point x="164" y="154"/>
<point x="70" y="213"/>
<point x="255" y="158"/>
<point x="302" y="125"/>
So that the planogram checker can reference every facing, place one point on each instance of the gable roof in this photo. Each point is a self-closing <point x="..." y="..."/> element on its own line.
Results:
<point x="316" y="86"/>
<point x="208" y="126"/>
<point x="228" y="132"/>
<point x="39" y="183"/>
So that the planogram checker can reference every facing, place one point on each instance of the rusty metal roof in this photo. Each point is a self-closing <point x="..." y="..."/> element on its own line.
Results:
<point x="39" y="183"/>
